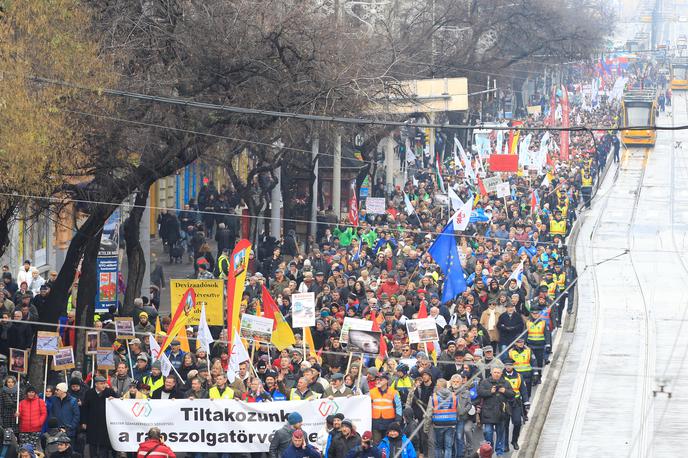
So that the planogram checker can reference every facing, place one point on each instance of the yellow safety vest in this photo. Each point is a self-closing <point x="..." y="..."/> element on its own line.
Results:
<point x="220" y="262"/>
<point x="515" y="381"/>
<point x="154" y="384"/>
<point x="557" y="227"/>
<point x="564" y="209"/>
<point x="536" y="331"/>
<point x="587" y="182"/>
<point x="521" y="359"/>
<point x="295" y="396"/>
<point x="560" y="280"/>
<point x="214" y="393"/>
<point x="551" y="288"/>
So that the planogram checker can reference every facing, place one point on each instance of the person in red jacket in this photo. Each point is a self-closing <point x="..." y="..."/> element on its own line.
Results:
<point x="32" y="416"/>
<point x="154" y="447"/>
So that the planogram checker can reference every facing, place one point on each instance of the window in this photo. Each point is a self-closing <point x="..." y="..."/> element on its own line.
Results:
<point x="637" y="116"/>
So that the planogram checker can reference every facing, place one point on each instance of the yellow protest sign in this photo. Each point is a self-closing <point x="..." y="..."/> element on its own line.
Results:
<point x="209" y="291"/>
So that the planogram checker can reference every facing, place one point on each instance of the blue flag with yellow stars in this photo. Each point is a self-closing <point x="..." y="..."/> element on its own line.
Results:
<point x="446" y="255"/>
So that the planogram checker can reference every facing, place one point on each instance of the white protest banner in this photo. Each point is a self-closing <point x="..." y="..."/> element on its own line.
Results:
<point x="491" y="183"/>
<point x="375" y="205"/>
<point x="303" y="310"/>
<point x="503" y="189"/>
<point x="222" y="426"/>
<point x="256" y="327"/>
<point x="422" y="330"/>
<point x="354" y="323"/>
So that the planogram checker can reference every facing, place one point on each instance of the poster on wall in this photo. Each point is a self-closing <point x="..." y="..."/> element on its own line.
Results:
<point x="107" y="264"/>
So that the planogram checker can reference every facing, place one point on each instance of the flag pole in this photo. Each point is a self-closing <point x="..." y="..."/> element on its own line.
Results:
<point x="348" y="364"/>
<point x="360" y="373"/>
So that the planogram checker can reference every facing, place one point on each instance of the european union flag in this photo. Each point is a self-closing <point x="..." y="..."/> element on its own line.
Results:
<point x="446" y="255"/>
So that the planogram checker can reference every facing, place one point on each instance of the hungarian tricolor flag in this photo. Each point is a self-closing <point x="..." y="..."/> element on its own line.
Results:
<point x="282" y="334"/>
<point x="438" y="172"/>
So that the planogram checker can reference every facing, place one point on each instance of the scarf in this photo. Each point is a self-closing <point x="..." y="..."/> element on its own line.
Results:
<point x="492" y="319"/>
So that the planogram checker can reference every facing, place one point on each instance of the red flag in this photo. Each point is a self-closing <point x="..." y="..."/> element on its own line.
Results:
<point x="481" y="188"/>
<point x="353" y="204"/>
<point x="380" y="359"/>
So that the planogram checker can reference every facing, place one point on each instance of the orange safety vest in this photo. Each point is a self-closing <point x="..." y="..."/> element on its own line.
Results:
<point x="521" y="359"/>
<point x="536" y="331"/>
<point x="383" y="404"/>
<point x="557" y="227"/>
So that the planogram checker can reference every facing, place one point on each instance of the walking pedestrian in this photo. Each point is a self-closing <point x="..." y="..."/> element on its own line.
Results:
<point x="154" y="447"/>
<point x="93" y="419"/>
<point x="32" y="415"/>
<point x="495" y="393"/>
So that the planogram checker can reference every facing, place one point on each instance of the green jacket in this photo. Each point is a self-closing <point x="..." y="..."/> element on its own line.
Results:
<point x="345" y="237"/>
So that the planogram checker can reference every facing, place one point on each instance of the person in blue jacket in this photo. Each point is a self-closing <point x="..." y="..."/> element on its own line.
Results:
<point x="299" y="448"/>
<point x="395" y="441"/>
<point x="65" y="408"/>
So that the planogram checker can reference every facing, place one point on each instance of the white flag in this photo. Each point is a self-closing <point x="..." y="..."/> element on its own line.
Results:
<point x="517" y="274"/>
<point x="410" y="157"/>
<point x="466" y="162"/>
<point x="205" y="338"/>
<point x="409" y="206"/>
<point x="165" y="364"/>
<point x="463" y="216"/>
<point x="238" y="356"/>
<point x="454" y="199"/>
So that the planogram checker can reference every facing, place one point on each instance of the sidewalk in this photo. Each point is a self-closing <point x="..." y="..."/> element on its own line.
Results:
<point x="172" y="271"/>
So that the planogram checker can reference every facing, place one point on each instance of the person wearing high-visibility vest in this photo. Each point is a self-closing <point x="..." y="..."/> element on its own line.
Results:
<point x="586" y="186"/>
<point x="557" y="225"/>
<point x="223" y="264"/>
<point x="302" y="392"/>
<point x="386" y="406"/>
<point x="539" y="340"/>
<point x="524" y="360"/>
<point x="444" y="418"/>
<point x="559" y="277"/>
<point x="517" y="404"/>
<point x="155" y="380"/>
<point x="221" y="390"/>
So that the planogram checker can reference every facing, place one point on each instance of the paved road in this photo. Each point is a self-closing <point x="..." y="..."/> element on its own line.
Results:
<point x="630" y="337"/>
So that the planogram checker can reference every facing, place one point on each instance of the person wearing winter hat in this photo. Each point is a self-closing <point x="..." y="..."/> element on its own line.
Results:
<point x="345" y="441"/>
<point x="299" y="447"/>
<point x="27" y="451"/>
<point x="155" y="380"/>
<point x="64" y="448"/>
<point x="282" y="437"/>
<point x="386" y="405"/>
<point x="65" y="408"/>
<point x="32" y="416"/>
<point x="366" y="449"/>
<point x="396" y="443"/>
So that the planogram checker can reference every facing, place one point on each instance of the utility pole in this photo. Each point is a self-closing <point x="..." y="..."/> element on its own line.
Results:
<point x="337" y="176"/>
<point x="315" y="149"/>
<point x="276" y="198"/>
<point x="144" y="232"/>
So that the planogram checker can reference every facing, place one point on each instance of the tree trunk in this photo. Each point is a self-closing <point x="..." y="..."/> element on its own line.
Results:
<point x="88" y="232"/>
<point x="136" y="260"/>
<point x="87" y="292"/>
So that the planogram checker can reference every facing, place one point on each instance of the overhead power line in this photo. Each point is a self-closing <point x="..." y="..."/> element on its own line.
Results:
<point x="335" y="119"/>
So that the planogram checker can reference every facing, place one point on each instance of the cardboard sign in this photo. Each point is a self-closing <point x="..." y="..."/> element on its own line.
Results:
<point x="303" y="310"/>
<point x="19" y="361"/>
<point x="367" y="342"/>
<point x="376" y="205"/>
<point x="92" y="342"/>
<point x="256" y="327"/>
<point x="354" y="323"/>
<point x="124" y="327"/>
<point x="63" y="359"/>
<point x="47" y="343"/>
<point x="422" y="330"/>
<point x="210" y="292"/>
<point x="503" y="189"/>
<point x="503" y="162"/>
<point x="491" y="183"/>
<point x="105" y="358"/>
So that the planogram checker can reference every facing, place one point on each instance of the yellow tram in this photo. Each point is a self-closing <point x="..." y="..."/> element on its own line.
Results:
<point x="639" y="107"/>
<point x="679" y="76"/>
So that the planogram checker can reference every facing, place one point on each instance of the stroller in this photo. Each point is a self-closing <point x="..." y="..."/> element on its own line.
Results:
<point x="177" y="252"/>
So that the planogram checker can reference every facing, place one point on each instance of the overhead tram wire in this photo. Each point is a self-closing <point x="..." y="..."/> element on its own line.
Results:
<point x="336" y="119"/>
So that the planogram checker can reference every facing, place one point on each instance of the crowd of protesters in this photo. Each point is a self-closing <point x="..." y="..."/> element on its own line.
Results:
<point x="494" y="341"/>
